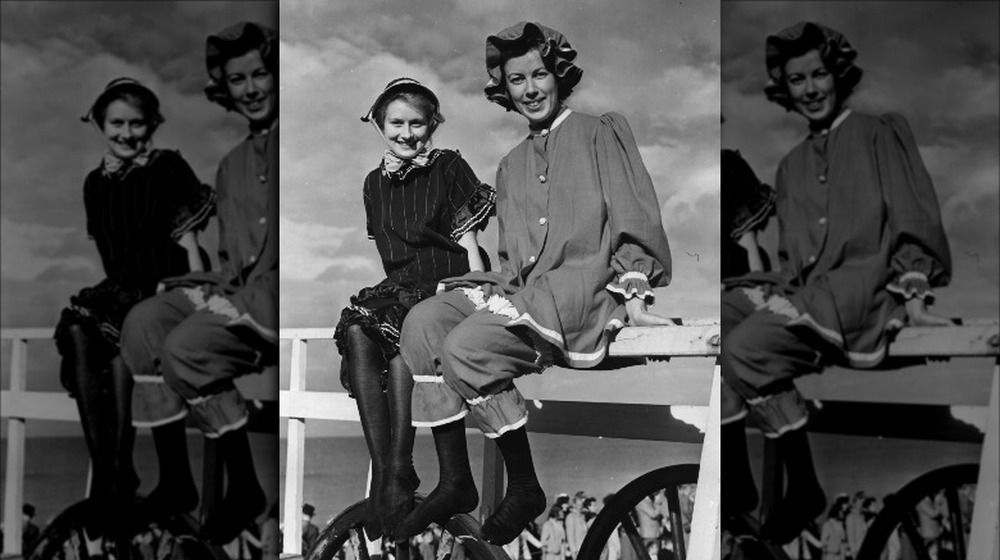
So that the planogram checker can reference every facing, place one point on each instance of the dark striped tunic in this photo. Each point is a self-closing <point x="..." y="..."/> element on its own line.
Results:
<point x="416" y="216"/>
<point x="136" y="219"/>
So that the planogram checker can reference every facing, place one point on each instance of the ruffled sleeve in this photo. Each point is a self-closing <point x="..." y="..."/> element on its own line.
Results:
<point x="746" y="202"/>
<point x="194" y="201"/>
<point x="920" y="257"/>
<point x="641" y="254"/>
<point x="471" y="202"/>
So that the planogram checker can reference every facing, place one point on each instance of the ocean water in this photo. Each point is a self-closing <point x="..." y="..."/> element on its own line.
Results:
<point x="336" y="468"/>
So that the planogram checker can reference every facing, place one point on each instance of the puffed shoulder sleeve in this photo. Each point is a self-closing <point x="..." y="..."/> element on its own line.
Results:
<point x="471" y="201"/>
<point x="193" y="201"/>
<point x="641" y="254"/>
<point x="920" y="257"/>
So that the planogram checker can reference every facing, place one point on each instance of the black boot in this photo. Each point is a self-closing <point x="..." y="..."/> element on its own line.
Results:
<point x="245" y="499"/>
<point x="524" y="499"/>
<point x="456" y="490"/>
<point x="804" y="499"/>
<point x="739" y="491"/>
<point x="396" y="499"/>
<point x="126" y="478"/>
<point x="364" y="364"/>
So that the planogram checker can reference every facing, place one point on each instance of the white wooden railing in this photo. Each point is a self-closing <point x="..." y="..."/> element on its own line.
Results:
<point x="694" y="339"/>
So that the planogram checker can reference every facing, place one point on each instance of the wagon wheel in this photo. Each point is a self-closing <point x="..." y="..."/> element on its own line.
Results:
<point x="948" y="532"/>
<point x="349" y="526"/>
<point x="619" y="510"/>
<point x="176" y="538"/>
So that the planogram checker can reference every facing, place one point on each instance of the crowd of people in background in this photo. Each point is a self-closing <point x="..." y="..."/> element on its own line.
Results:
<point x="561" y="534"/>
<point x="846" y="524"/>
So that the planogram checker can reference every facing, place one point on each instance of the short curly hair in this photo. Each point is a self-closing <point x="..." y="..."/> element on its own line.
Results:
<point x="232" y="42"/>
<point x="520" y="39"/>
<point x="834" y="50"/>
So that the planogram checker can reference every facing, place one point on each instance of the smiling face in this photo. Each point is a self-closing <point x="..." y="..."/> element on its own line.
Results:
<point x="251" y="87"/>
<point x="532" y="88"/>
<point x="125" y="129"/>
<point x="812" y="88"/>
<point x="406" y="129"/>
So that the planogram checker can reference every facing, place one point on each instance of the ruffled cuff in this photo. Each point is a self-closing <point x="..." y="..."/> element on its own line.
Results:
<point x="475" y="212"/>
<point x="632" y="284"/>
<point x="194" y="214"/>
<point x="754" y="215"/>
<point x="911" y="285"/>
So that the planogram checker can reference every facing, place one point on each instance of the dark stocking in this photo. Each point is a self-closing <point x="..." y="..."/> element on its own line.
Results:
<point x="524" y="500"/>
<point x="804" y="499"/>
<point x="87" y="370"/>
<point x="396" y="499"/>
<point x="364" y="370"/>
<point x="127" y="481"/>
<point x="739" y="492"/>
<point x="456" y="490"/>
<point x="245" y="499"/>
<point x="175" y="492"/>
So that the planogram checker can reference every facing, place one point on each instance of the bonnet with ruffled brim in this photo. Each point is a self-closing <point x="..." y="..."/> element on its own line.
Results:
<point x="552" y="45"/>
<point x="235" y="41"/>
<point x="835" y="50"/>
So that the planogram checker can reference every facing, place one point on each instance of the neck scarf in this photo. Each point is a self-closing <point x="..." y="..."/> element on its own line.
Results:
<point x="114" y="166"/>
<point x="395" y="165"/>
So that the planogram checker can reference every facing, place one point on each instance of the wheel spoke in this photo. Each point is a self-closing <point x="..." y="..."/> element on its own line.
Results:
<point x="676" y="521"/>
<point x="957" y="525"/>
<point x="634" y="539"/>
<point x="916" y="541"/>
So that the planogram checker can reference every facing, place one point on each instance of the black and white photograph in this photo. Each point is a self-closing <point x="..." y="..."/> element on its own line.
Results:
<point x="481" y="204"/>
<point x="860" y="243"/>
<point x="140" y="262"/>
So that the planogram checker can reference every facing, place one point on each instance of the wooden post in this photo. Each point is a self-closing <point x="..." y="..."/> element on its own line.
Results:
<point x="295" y="463"/>
<point x="983" y="539"/>
<point x="705" y="532"/>
<point x="14" y="483"/>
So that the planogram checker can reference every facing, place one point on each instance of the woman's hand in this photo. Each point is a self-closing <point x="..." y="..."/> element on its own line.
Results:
<point x="640" y="316"/>
<point x="917" y="312"/>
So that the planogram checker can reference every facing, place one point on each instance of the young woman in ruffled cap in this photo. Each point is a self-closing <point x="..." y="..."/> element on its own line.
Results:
<point x="581" y="247"/>
<point x="185" y="346"/>
<point x="861" y="247"/>
<point x="423" y="209"/>
<point x="144" y="208"/>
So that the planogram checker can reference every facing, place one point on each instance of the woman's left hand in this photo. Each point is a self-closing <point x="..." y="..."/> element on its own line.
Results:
<point x="640" y="316"/>
<point x="917" y="312"/>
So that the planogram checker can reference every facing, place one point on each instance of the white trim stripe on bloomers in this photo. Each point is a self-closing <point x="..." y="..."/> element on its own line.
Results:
<point x="228" y="428"/>
<point x="428" y="379"/>
<point x="160" y="422"/>
<point x="436" y="423"/>
<point x="786" y="428"/>
<point x="148" y="379"/>
<point x="509" y="427"/>
<point x="734" y="418"/>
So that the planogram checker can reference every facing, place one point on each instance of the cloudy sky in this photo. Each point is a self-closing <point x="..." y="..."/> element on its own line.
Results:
<point x="56" y="58"/>
<point x="933" y="62"/>
<point x="655" y="62"/>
